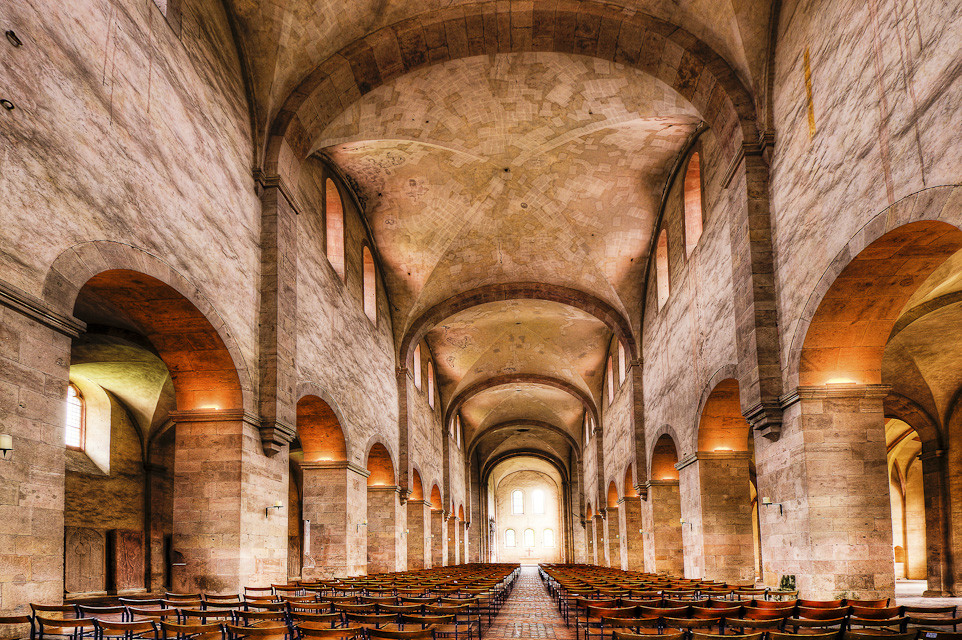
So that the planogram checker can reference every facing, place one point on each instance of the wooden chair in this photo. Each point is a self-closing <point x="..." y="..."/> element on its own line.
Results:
<point x="820" y="604"/>
<point x="273" y="632"/>
<point x="316" y="619"/>
<point x="204" y="616"/>
<point x="873" y="604"/>
<point x="815" y="626"/>
<point x="832" y="635"/>
<point x="183" y="596"/>
<point x="313" y="632"/>
<point x="427" y="633"/>
<point x="689" y="625"/>
<point x="73" y="628"/>
<point x="177" y="631"/>
<point x="932" y="624"/>
<point x="15" y="627"/>
<point x="740" y="625"/>
<point x="136" y="614"/>
<point x="142" y="603"/>
<point x="115" y="614"/>
<point x="822" y="613"/>
<point x="62" y="611"/>
<point x="141" y="630"/>
<point x="370" y="620"/>
<point x="258" y="618"/>
<point x="711" y="636"/>
<point x="624" y="635"/>
<point x="891" y="625"/>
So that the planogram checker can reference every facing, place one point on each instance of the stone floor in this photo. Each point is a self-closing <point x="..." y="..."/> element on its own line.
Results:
<point x="909" y="592"/>
<point x="529" y="612"/>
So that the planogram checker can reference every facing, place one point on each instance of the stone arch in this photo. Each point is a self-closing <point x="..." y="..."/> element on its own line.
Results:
<point x="664" y="430"/>
<point x="586" y="302"/>
<point x="596" y="29"/>
<point x="722" y="373"/>
<point x="320" y="431"/>
<point x="511" y="424"/>
<point x="417" y="486"/>
<point x="519" y="378"/>
<point x="491" y="463"/>
<point x="630" y="491"/>
<point x="436" y="502"/>
<point x="721" y="426"/>
<point x="664" y="455"/>
<point x="380" y="463"/>
<point x="910" y="412"/>
<point x="613" y="494"/>
<point x="916" y="214"/>
<point x="79" y="265"/>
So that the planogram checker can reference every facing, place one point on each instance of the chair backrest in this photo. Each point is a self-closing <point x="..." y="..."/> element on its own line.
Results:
<point x="87" y="611"/>
<point x="877" y="604"/>
<point x="426" y="621"/>
<point x="186" y="615"/>
<point x="309" y="630"/>
<point x="820" y="604"/>
<point x="664" y="612"/>
<point x="691" y="623"/>
<point x="62" y="611"/>
<point x="625" y="635"/>
<point x="709" y="636"/>
<point x="136" y="613"/>
<point x="814" y="623"/>
<point x="873" y="635"/>
<point x="776" y="604"/>
<point x="272" y="632"/>
<point x="715" y="612"/>
<point x="822" y="613"/>
<point x="876" y="613"/>
<point x="183" y="596"/>
<point x="748" y="623"/>
<point x="329" y="619"/>
<point x="247" y="618"/>
<point x="61" y="626"/>
<point x="178" y="604"/>
<point x="426" y="633"/>
<point x="774" y="635"/>
<point x="115" y="628"/>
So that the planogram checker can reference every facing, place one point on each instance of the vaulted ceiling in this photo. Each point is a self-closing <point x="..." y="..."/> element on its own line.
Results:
<point x="524" y="166"/>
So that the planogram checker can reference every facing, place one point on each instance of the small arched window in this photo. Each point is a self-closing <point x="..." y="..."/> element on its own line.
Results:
<point x="529" y="537"/>
<point x="369" y="286"/>
<point x="76" y="418"/>
<point x="509" y="540"/>
<point x="622" y="361"/>
<point x="431" y="385"/>
<point x="334" y="219"/>
<point x="610" y="380"/>
<point x="457" y="430"/>
<point x="537" y="502"/>
<point x="417" y="367"/>
<point x="547" y="538"/>
<point x="661" y="268"/>
<point x="587" y="423"/>
<point x="517" y="502"/>
<point x="693" y="204"/>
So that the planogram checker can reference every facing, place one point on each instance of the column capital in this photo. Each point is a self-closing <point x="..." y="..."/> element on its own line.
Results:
<point x="766" y="419"/>
<point x="661" y="483"/>
<point x="691" y="458"/>
<point x="337" y="464"/>
<point x="832" y="391"/>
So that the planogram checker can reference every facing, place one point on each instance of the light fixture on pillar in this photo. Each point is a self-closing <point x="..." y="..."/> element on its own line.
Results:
<point x="688" y="522"/>
<point x="6" y="444"/>
<point x="768" y="503"/>
<point x="361" y="524"/>
<point x="276" y="505"/>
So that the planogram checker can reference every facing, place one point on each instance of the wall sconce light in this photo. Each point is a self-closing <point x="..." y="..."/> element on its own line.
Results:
<point x="276" y="505"/>
<point x="362" y="524"/>
<point x="6" y="444"/>
<point x="768" y="503"/>
<point x="688" y="522"/>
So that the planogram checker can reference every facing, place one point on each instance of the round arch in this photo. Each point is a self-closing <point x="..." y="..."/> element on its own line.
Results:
<point x="513" y="424"/>
<point x="380" y="463"/>
<point x="320" y="431"/>
<point x="662" y="460"/>
<point x="519" y="378"/>
<point x="664" y="50"/>
<point x="80" y="264"/>
<point x="915" y="215"/>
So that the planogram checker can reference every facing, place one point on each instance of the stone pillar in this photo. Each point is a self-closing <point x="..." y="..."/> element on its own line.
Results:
<point x="632" y="540"/>
<point x="335" y="501"/>
<point x="439" y="547"/>
<point x="453" y="528"/>
<point x="938" y="563"/>
<point x="34" y="369"/>
<point x="716" y="500"/>
<point x="223" y="486"/>
<point x="601" y="555"/>
<point x="419" y="534"/>
<point x="464" y="542"/>
<point x="666" y="553"/>
<point x="385" y="548"/>
<point x="613" y="537"/>
<point x="830" y="521"/>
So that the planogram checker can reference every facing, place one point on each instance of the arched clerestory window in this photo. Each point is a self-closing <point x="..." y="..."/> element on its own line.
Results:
<point x="610" y="381"/>
<point x="74" y="434"/>
<point x="334" y="220"/>
<point x="537" y="502"/>
<point x="517" y="502"/>
<point x="529" y="537"/>
<point x="547" y="538"/>
<point x="369" y="286"/>
<point x="509" y="540"/>
<point x="431" y="387"/>
<point x="661" y="268"/>
<point x="694" y="212"/>
<point x="417" y="367"/>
